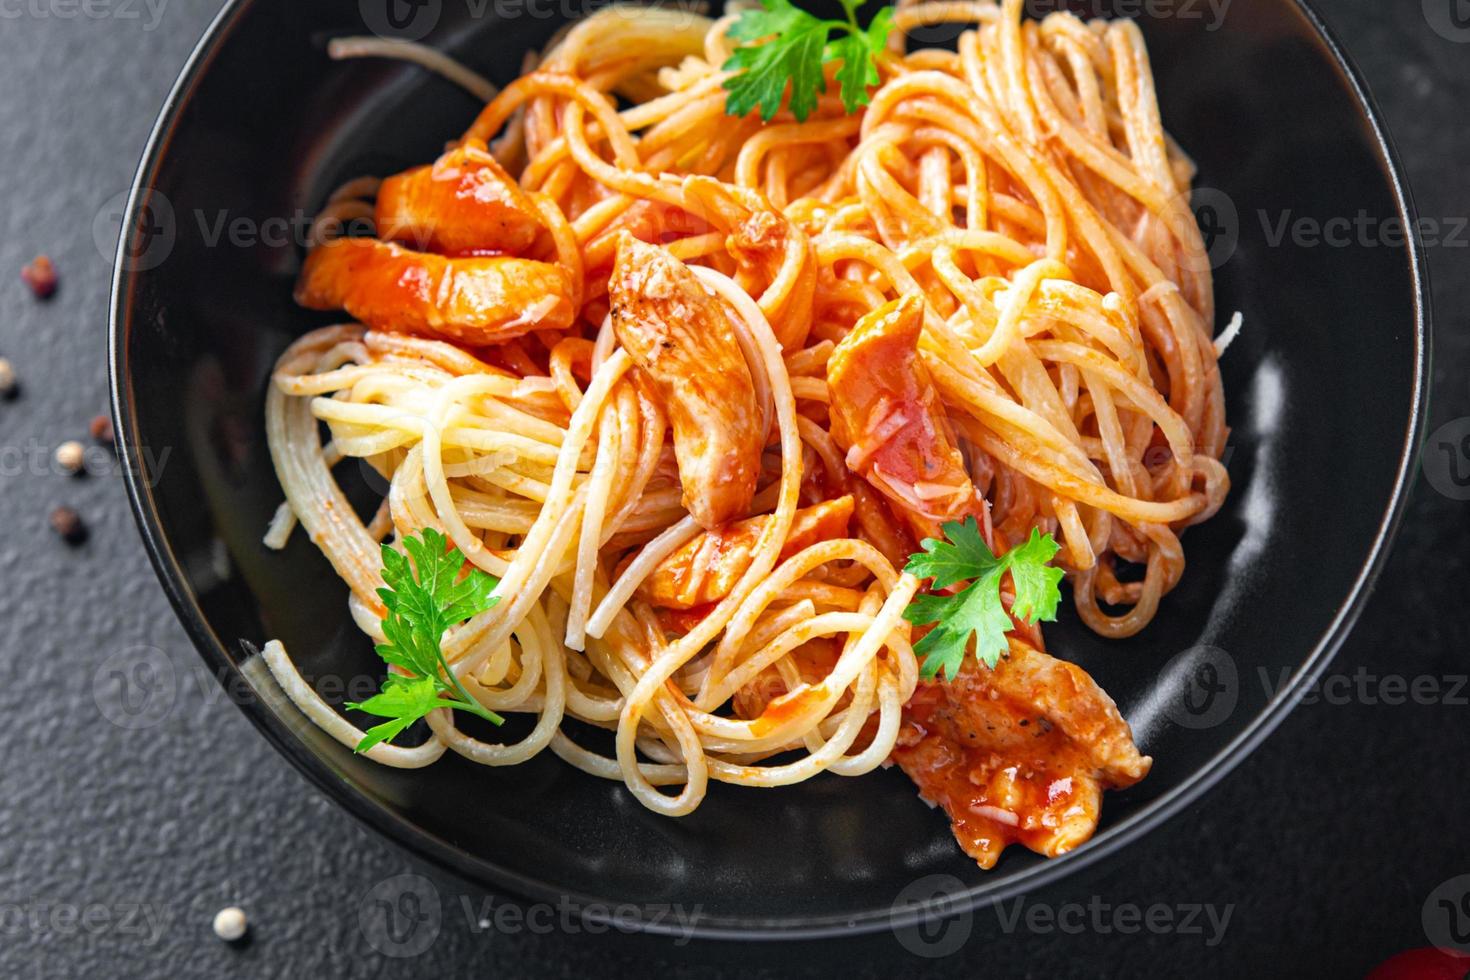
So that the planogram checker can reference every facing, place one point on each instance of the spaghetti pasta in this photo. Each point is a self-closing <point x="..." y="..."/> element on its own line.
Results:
<point x="1007" y="221"/>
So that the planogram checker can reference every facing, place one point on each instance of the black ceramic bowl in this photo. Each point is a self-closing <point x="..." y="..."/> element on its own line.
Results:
<point x="1326" y="394"/>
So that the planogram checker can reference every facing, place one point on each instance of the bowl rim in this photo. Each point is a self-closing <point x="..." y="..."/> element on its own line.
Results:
<point x="444" y="854"/>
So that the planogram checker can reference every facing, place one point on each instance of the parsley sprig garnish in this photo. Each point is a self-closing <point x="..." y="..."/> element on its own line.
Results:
<point x="786" y="44"/>
<point x="425" y="595"/>
<point x="976" y="609"/>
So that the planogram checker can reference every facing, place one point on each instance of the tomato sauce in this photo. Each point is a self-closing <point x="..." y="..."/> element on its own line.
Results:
<point x="1003" y="773"/>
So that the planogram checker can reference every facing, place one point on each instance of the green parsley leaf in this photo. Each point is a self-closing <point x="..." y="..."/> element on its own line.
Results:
<point x="977" y="610"/>
<point x="776" y="17"/>
<point x="963" y="556"/>
<point x="857" y="72"/>
<point x="786" y="45"/>
<point x="428" y="591"/>
<point x="878" y="28"/>
<point x="404" y="700"/>
<point x="795" y="56"/>
<point x="1034" y="580"/>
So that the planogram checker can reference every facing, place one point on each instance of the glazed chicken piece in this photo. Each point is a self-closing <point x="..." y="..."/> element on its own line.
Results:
<point x="706" y="568"/>
<point x="476" y="301"/>
<point x="887" y="416"/>
<point x="761" y="240"/>
<point x="1018" y="753"/>
<point x="654" y="222"/>
<point x="464" y="204"/>
<point x="687" y="357"/>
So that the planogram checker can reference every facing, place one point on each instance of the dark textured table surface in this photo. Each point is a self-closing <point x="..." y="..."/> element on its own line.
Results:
<point x="117" y="846"/>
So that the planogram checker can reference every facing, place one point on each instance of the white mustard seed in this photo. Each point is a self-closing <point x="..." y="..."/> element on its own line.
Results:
<point x="230" y="924"/>
<point x="70" y="456"/>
